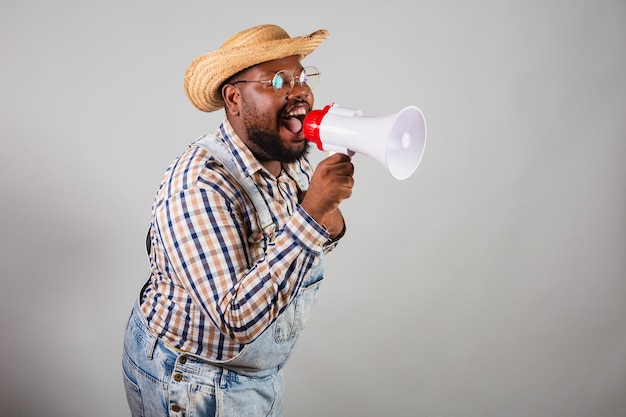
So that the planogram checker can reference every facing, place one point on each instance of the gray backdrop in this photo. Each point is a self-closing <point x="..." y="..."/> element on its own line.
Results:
<point x="490" y="283"/>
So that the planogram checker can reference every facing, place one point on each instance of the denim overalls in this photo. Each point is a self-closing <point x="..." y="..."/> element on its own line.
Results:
<point x="161" y="381"/>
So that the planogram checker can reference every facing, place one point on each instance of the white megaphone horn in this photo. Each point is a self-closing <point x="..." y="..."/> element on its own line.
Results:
<point x="397" y="141"/>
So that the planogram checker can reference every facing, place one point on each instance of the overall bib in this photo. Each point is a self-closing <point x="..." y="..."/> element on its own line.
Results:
<point x="161" y="381"/>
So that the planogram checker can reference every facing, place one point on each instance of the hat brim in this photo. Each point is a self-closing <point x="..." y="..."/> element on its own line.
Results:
<point x="207" y="73"/>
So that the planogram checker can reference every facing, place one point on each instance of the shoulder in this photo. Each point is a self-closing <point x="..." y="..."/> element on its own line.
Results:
<point x="198" y="170"/>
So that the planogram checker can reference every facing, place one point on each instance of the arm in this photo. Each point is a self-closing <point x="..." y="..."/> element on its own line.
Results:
<point x="331" y="183"/>
<point x="206" y="244"/>
<point x="335" y="225"/>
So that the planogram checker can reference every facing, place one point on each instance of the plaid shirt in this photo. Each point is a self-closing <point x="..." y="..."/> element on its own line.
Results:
<point x="214" y="286"/>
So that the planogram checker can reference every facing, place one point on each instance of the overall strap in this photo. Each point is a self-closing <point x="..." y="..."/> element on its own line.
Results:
<point x="221" y="153"/>
<point x="302" y="180"/>
<point x="223" y="156"/>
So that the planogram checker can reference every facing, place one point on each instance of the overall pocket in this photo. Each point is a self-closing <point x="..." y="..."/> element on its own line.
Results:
<point x="292" y="321"/>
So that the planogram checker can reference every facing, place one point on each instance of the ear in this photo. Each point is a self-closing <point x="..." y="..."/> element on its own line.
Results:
<point x="232" y="99"/>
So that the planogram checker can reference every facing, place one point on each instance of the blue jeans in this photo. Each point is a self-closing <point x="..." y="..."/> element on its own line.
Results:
<point x="160" y="381"/>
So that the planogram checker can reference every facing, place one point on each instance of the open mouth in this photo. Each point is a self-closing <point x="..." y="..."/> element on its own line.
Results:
<point x="294" y="118"/>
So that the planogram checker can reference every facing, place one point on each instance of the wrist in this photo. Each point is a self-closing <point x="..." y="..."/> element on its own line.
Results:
<point x="335" y="237"/>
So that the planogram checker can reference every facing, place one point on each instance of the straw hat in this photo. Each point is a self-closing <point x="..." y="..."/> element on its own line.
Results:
<point x="258" y="44"/>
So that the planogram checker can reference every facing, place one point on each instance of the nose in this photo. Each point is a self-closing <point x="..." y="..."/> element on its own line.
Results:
<point x="299" y="90"/>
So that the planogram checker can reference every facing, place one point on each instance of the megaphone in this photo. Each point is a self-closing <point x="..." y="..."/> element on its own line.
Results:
<point x="397" y="141"/>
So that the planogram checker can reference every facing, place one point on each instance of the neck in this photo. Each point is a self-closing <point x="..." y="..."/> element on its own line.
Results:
<point x="274" y="167"/>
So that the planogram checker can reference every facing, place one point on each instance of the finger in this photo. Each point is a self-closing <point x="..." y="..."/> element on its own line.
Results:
<point x="345" y="168"/>
<point x="337" y="158"/>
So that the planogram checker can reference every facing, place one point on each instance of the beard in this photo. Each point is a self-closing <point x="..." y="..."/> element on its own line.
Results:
<point x="266" y="145"/>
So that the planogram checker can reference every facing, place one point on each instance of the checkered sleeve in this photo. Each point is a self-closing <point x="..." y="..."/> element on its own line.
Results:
<point x="205" y="240"/>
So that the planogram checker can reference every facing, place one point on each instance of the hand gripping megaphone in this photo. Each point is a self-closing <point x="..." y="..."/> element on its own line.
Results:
<point x="397" y="141"/>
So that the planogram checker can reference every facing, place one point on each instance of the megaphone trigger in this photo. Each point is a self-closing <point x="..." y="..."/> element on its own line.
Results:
<point x="397" y="141"/>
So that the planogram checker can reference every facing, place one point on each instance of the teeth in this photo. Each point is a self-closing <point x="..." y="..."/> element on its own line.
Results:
<point x="300" y="111"/>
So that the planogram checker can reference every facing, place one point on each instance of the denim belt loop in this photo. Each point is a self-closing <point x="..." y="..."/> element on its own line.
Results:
<point x="152" y="347"/>
<point x="223" y="374"/>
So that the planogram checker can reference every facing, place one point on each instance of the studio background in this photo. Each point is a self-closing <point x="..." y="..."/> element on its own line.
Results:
<point x="490" y="283"/>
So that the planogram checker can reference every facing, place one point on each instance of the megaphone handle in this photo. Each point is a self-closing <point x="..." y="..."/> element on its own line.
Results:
<point x="337" y="149"/>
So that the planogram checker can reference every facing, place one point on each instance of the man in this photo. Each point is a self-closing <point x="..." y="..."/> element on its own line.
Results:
<point x="239" y="227"/>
